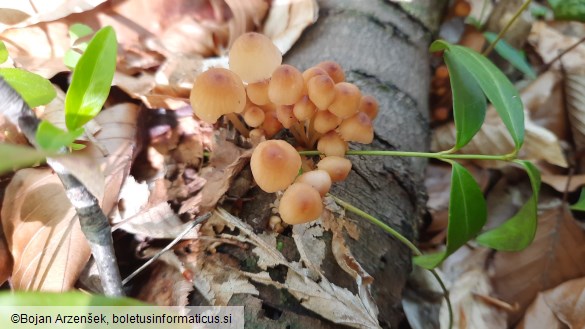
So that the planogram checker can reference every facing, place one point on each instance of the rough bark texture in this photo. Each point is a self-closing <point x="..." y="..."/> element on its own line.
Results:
<point x="384" y="50"/>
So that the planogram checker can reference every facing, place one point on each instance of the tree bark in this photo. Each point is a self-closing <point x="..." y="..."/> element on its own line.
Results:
<point x="384" y="50"/>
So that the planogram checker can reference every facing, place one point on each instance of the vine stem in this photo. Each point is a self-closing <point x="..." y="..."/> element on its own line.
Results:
<point x="507" y="27"/>
<point x="440" y="155"/>
<point x="349" y="207"/>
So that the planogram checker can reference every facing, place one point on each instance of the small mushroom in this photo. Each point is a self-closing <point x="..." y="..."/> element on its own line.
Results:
<point x="258" y="92"/>
<point x="254" y="57"/>
<point x="286" y="85"/>
<point x="216" y="92"/>
<point x="325" y="121"/>
<point x="275" y="164"/>
<point x="369" y="105"/>
<point x="334" y="70"/>
<point x="318" y="179"/>
<point x="337" y="167"/>
<point x="304" y="109"/>
<point x="358" y="128"/>
<point x="347" y="99"/>
<point x="332" y="144"/>
<point x="321" y="90"/>
<point x="300" y="203"/>
<point x="254" y="116"/>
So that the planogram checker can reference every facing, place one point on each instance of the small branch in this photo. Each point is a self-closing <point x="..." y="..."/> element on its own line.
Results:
<point x="562" y="53"/>
<point x="93" y="221"/>
<point x="507" y="27"/>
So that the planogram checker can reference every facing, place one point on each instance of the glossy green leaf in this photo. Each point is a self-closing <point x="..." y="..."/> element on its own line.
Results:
<point x="495" y="85"/>
<point x="18" y="156"/>
<point x="467" y="215"/>
<point x="22" y="298"/>
<point x="92" y="79"/>
<point x="72" y="55"/>
<point x="580" y="205"/>
<point x="52" y="138"/>
<point x="34" y="89"/>
<point x="511" y="54"/>
<point x="518" y="232"/>
<point x="3" y="52"/>
<point x="570" y="10"/>
<point x="469" y="103"/>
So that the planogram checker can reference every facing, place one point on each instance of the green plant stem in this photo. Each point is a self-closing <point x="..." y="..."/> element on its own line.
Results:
<point x="507" y="27"/>
<point x="440" y="155"/>
<point x="349" y="207"/>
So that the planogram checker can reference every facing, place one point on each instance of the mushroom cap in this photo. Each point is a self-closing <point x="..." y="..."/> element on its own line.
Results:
<point x="300" y="203"/>
<point x="286" y="85"/>
<point x="216" y="92"/>
<point x="369" y="105"/>
<point x="337" y="167"/>
<point x="347" y="100"/>
<point x="254" y="57"/>
<point x="325" y="121"/>
<point x="358" y="128"/>
<point x="334" y="70"/>
<point x="284" y="114"/>
<point x="275" y="165"/>
<point x="258" y="92"/>
<point x="304" y="109"/>
<point x="321" y="90"/>
<point x="271" y="125"/>
<point x="318" y="179"/>
<point x="332" y="144"/>
<point x="254" y="116"/>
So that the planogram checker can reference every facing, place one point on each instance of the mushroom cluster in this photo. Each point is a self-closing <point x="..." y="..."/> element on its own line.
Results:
<point x="318" y="107"/>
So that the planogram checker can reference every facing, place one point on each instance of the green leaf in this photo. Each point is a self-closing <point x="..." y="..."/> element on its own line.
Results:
<point x="518" y="232"/>
<point x="3" y="52"/>
<point x="30" y="298"/>
<point x="469" y="103"/>
<point x="580" y="205"/>
<point x="52" y="138"/>
<point x="497" y="88"/>
<point x="570" y="10"/>
<point x="78" y="30"/>
<point x="72" y="55"/>
<point x="18" y="156"/>
<point x="92" y="79"/>
<point x="34" y="89"/>
<point x="467" y="215"/>
<point x="511" y="54"/>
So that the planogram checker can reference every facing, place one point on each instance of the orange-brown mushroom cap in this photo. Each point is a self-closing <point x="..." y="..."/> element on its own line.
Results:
<point x="286" y="85"/>
<point x="358" y="128"/>
<point x="319" y="179"/>
<point x="216" y="92"/>
<point x="254" y="57"/>
<point x="347" y="100"/>
<point x="300" y="203"/>
<point x="275" y="165"/>
<point x="337" y="167"/>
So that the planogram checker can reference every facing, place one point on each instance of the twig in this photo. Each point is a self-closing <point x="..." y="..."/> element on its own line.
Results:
<point x="562" y="53"/>
<point x="507" y="27"/>
<point x="197" y="221"/>
<point x="93" y="221"/>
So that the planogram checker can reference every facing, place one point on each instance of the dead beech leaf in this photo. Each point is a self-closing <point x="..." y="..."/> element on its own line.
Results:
<point x="42" y="232"/>
<point x="6" y="261"/>
<point x="9" y="133"/>
<point x="559" y="182"/>
<point x="144" y="88"/>
<point x="469" y="311"/>
<point x="319" y="295"/>
<point x="34" y="11"/>
<point x="558" y="307"/>
<point x="556" y="255"/>
<point x="165" y="285"/>
<point x="288" y="19"/>
<point x="550" y="38"/>
<point x="493" y="138"/>
<point x="574" y="91"/>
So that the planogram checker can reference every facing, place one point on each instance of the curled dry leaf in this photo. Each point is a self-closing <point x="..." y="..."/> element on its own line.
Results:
<point x="549" y="38"/>
<point x="319" y="295"/>
<point x="165" y="285"/>
<point x="288" y="19"/>
<point x="6" y="261"/>
<point x="561" y="183"/>
<point x="559" y="307"/>
<point x="43" y="233"/>
<point x="556" y="255"/>
<point x="493" y="138"/>
<point x="574" y="91"/>
<point x="469" y="311"/>
<point x="14" y="14"/>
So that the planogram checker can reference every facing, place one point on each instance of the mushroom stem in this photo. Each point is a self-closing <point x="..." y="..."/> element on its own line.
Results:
<point x="301" y="132"/>
<point x="313" y="134"/>
<point x="296" y="134"/>
<point x="240" y="127"/>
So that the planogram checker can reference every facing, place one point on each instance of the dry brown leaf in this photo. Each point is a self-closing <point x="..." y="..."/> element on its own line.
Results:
<point x="15" y="14"/>
<point x="319" y="295"/>
<point x="6" y="261"/>
<point x="550" y="38"/>
<point x="42" y="232"/>
<point x="287" y="19"/>
<point x="9" y="133"/>
<point x="574" y="91"/>
<point x="165" y="285"/>
<point x="558" y="307"/>
<point x="493" y="138"/>
<point x="468" y="310"/>
<point x="559" y="182"/>
<point x="556" y="255"/>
